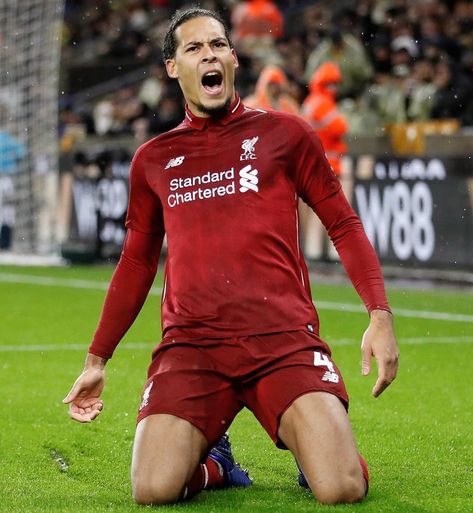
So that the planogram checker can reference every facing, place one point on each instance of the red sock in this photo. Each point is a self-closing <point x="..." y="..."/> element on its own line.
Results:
<point x="366" y="475"/>
<point x="206" y="475"/>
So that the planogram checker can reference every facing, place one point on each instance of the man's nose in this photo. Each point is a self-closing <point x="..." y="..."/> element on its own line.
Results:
<point x="208" y="54"/>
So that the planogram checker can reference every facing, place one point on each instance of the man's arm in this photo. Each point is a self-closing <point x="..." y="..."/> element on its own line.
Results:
<point x="362" y="266"/>
<point x="126" y="294"/>
<point x="318" y="186"/>
<point x="127" y="291"/>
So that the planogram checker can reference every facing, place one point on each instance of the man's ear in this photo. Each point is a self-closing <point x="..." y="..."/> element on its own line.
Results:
<point x="171" y="68"/>
<point x="235" y="58"/>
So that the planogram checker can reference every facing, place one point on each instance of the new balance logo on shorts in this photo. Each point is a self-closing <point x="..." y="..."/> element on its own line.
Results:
<point x="331" y="377"/>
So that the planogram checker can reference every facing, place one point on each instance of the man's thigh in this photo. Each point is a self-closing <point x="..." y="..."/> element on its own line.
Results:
<point x="185" y="382"/>
<point x="316" y="429"/>
<point x="305" y="369"/>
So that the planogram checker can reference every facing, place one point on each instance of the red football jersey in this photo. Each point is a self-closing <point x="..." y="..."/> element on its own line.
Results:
<point x="225" y="192"/>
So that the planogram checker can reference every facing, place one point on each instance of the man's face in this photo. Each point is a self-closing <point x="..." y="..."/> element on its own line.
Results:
<point x="205" y="66"/>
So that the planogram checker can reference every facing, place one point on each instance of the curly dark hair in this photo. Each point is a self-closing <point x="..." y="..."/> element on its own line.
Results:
<point x="180" y="17"/>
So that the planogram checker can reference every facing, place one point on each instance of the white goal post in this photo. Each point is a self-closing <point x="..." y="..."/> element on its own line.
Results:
<point x="30" y="43"/>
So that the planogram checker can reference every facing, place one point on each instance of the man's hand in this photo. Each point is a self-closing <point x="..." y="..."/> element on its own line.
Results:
<point x="379" y="342"/>
<point x="84" y="398"/>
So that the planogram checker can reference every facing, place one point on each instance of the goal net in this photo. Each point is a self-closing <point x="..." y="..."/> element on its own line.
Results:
<point x="30" y="41"/>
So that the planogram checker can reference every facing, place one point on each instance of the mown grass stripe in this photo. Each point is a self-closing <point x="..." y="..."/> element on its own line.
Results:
<point x="157" y="291"/>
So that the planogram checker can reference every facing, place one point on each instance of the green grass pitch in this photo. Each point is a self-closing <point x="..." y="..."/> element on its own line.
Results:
<point x="417" y="437"/>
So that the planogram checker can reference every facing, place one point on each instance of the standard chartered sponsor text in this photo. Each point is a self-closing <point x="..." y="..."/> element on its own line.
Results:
<point x="201" y="193"/>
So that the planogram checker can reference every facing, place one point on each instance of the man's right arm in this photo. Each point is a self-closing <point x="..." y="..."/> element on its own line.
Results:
<point x="126" y="295"/>
<point x="127" y="291"/>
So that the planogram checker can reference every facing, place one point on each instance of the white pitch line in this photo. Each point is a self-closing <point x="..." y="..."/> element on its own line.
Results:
<point x="38" y="348"/>
<point x="157" y="291"/>
<point x="12" y="348"/>
<point x="62" y="282"/>
<point x="410" y="341"/>
<point x="398" y="312"/>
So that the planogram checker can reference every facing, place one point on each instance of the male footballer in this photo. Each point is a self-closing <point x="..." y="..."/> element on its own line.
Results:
<point x="239" y="325"/>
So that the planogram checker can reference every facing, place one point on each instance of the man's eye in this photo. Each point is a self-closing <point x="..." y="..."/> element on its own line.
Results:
<point x="220" y="44"/>
<point x="191" y="48"/>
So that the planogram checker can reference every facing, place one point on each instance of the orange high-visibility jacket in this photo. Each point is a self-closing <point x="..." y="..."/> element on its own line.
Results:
<point x="257" y="18"/>
<point x="320" y="110"/>
<point x="260" y="99"/>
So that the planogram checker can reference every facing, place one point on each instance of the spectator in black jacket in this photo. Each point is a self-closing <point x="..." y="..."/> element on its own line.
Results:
<point x="453" y="98"/>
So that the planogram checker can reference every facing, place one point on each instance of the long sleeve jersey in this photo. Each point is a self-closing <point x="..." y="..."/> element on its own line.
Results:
<point x="225" y="192"/>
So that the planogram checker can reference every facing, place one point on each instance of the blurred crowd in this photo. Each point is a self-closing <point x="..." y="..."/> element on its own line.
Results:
<point x="389" y="61"/>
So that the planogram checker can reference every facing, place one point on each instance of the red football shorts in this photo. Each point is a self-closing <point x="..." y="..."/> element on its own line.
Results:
<point x="207" y="382"/>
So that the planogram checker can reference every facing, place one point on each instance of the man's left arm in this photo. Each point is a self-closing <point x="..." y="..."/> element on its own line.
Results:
<point x="362" y="266"/>
<point x="318" y="186"/>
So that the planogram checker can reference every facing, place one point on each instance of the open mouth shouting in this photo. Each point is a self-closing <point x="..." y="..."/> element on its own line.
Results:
<point x="212" y="82"/>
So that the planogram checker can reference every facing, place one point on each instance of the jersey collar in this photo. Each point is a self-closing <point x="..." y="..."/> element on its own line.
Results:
<point x="236" y="108"/>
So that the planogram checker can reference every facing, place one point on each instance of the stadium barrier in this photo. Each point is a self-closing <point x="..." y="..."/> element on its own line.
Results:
<point x="416" y="211"/>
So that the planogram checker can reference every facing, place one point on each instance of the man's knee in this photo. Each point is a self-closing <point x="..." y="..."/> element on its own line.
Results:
<point x="156" y="490"/>
<point x="344" y="490"/>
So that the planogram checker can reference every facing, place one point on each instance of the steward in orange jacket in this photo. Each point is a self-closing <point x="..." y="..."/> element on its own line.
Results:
<point x="257" y="18"/>
<point x="270" y="92"/>
<point x="320" y="110"/>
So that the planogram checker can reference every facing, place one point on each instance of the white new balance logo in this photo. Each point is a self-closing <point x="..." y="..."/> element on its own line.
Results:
<point x="331" y="377"/>
<point x="175" y="162"/>
<point x="248" y="179"/>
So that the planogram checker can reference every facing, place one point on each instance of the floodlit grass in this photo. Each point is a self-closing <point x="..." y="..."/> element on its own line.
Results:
<point x="417" y="437"/>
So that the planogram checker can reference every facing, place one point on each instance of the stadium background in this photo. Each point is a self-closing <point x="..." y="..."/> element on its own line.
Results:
<point x="89" y="76"/>
<point x="81" y="86"/>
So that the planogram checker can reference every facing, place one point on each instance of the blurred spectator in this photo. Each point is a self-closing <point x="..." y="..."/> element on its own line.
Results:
<point x="103" y="114"/>
<point x="153" y="87"/>
<point x="128" y="44"/>
<point x="421" y="91"/>
<point x="460" y="24"/>
<point x="350" y="56"/>
<point x="12" y="151"/>
<point x="404" y="50"/>
<point x="126" y="109"/>
<point x="454" y="96"/>
<point x="292" y="52"/>
<point x="320" y="110"/>
<point x="381" y="55"/>
<point x="432" y="34"/>
<point x="271" y="92"/>
<point x="405" y="95"/>
<point x="169" y="113"/>
<point x="256" y="25"/>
